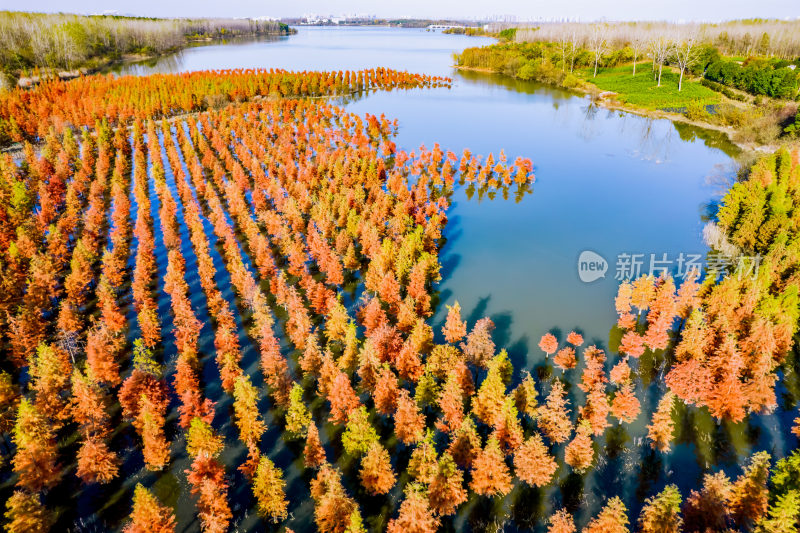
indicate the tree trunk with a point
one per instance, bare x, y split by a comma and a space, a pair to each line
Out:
595, 67
660, 66
680, 80
634, 63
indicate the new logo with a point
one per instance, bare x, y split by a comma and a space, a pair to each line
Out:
591, 266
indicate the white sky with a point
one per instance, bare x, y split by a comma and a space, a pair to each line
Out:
710, 10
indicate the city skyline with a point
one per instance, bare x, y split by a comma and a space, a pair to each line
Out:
674, 10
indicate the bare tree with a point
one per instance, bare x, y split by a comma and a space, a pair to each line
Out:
686, 54
574, 43
638, 43
739, 37
661, 47
563, 44
62, 40
598, 43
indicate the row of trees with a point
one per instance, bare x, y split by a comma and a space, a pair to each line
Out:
744, 38
692, 48
29, 114
64, 41
590, 47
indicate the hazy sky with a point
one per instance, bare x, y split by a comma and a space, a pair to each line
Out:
523, 9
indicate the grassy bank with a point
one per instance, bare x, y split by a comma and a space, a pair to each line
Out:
642, 91
748, 120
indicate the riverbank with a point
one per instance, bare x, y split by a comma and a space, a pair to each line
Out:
29, 81
612, 100
755, 117
36, 46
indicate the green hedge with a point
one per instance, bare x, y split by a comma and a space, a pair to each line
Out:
718, 87
756, 76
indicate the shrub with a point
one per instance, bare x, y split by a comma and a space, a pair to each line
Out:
508, 34
528, 71
734, 116
570, 81
696, 111
718, 87
216, 101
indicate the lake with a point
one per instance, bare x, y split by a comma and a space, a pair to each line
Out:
608, 182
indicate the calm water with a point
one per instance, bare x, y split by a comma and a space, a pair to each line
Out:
606, 181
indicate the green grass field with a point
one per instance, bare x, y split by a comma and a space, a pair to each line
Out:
641, 90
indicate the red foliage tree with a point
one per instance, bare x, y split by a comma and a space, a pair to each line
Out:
565, 358
446, 491
548, 343
26, 514
612, 518
409, 423
465, 444
561, 522
313, 453
620, 373
385, 392
150, 422
96, 461
533, 464
632, 344
148, 515
579, 453
708, 508
659, 432
479, 348
749, 495
575, 338
415, 515
454, 328
625, 406
554, 415
35, 460
376, 473
101, 348
451, 402
207, 477
343, 399
490, 474
334, 509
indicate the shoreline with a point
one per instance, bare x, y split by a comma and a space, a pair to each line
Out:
26, 82
605, 99
106, 63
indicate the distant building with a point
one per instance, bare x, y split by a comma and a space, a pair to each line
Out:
444, 26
